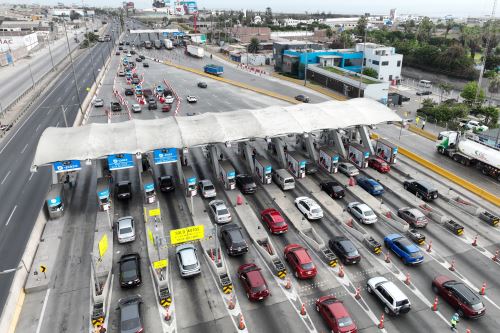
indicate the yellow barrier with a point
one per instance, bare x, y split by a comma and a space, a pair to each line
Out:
449, 175
423, 133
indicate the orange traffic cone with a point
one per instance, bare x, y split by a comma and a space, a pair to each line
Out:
341, 271
387, 258
358, 293
167, 315
495, 257
241, 325
352, 181
452, 267
474, 243
388, 214
381, 323
467, 330
303, 310
435, 305
239, 200
483, 289
230, 305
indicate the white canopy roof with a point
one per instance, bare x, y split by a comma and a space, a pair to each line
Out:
98, 140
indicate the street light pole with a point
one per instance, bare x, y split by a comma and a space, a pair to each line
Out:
73, 69
362, 61
31, 73
50, 52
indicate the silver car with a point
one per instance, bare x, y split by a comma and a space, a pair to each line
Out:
220, 211
125, 229
98, 102
187, 260
413, 216
207, 188
136, 108
362, 212
130, 314
348, 169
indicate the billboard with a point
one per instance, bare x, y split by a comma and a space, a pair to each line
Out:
165, 155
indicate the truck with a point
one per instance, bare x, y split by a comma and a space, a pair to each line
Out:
147, 44
195, 51
213, 69
468, 151
157, 44
168, 44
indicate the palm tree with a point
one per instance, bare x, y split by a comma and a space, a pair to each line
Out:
444, 88
346, 39
450, 24
254, 45
493, 85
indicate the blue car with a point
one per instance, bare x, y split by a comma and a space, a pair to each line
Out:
404, 248
370, 185
159, 90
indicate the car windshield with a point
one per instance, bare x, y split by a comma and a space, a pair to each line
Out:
129, 270
351, 168
477, 306
345, 321
189, 267
287, 181
222, 211
368, 213
338, 188
208, 187
378, 188
421, 218
130, 318
126, 230
280, 223
315, 211
401, 303
307, 266
416, 255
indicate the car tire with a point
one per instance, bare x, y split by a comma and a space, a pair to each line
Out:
296, 274
386, 310
369, 289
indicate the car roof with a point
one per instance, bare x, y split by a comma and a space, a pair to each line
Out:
414, 211
409, 245
301, 254
465, 291
308, 201
255, 278
364, 207
188, 254
219, 204
395, 292
337, 308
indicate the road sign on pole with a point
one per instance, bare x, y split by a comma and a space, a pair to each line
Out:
183, 235
103, 245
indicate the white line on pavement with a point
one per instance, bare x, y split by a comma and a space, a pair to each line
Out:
31, 176
4, 178
40, 321
24, 149
38, 127
10, 216
57, 125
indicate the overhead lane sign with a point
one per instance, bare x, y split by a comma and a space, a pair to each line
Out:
165, 155
69, 165
120, 161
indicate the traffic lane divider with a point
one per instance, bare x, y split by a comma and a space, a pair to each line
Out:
421, 132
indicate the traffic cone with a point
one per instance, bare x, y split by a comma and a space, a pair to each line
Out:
239, 200
303, 310
341, 271
474, 243
349, 223
381, 323
407, 280
429, 247
352, 182
230, 306
387, 257
495, 257
452, 267
167, 315
358, 293
467, 330
435, 305
241, 325
483, 289
388, 214
288, 284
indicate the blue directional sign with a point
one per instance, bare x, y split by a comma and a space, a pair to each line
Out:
103, 194
335, 158
149, 187
269, 168
231, 174
191, 181
54, 202
70, 165
120, 161
165, 155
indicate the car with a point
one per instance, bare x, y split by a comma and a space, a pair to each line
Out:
246, 184
202, 84
302, 98
115, 106
335, 315
207, 188
311, 167
159, 90
121, 73
129, 55
167, 92
405, 249
413, 216
424, 93
130, 270
274, 221
152, 105
345, 249
220, 211
136, 80
124, 190
166, 107
142, 57
127, 43
169, 99
333, 189
421, 188
187, 259
460, 296
191, 99
98, 102
233, 239
300, 261
145, 64
254, 282
348, 169
132, 52
129, 92
394, 300
309, 208
136, 108
166, 183
130, 314
370, 185
125, 229
379, 164
138, 59
362, 212
117, 53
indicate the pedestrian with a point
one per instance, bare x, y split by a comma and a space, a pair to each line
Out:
454, 321
423, 124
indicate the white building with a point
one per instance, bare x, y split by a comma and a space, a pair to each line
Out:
67, 11
12, 40
383, 59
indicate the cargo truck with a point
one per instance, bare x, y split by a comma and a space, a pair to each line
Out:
470, 152
157, 44
213, 69
195, 51
168, 44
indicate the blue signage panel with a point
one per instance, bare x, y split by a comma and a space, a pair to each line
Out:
395, 150
54, 202
191, 181
165, 155
70, 165
120, 161
269, 168
335, 158
302, 163
103, 194
366, 154
149, 187
231, 174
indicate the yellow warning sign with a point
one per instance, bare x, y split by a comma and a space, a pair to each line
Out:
103, 245
160, 264
183, 235
43, 268
150, 235
154, 212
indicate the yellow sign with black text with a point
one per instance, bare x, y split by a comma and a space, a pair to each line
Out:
160, 264
188, 234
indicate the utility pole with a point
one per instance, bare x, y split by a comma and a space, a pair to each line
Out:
73, 69
50, 52
362, 59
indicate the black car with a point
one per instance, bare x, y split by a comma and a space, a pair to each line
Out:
152, 105
202, 84
344, 249
311, 167
302, 98
124, 190
132, 52
421, 188
130, 270
145, 64
136, 80
232, 237
115, 106
166, 183
246, 184
130, 314
127, 43
120, 43
167, 92
129, 92
333, 189
142, 57
424, 93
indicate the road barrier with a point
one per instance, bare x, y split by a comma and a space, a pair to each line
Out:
421, 132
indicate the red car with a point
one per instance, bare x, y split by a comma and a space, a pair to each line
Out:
379, 164
300, 261
166, 108
463, 299
254, 282
274, 221
335, 315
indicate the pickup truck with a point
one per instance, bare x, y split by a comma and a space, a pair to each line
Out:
213, 69
473, 125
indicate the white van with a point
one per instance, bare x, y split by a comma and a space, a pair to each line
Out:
425, 84
284, 179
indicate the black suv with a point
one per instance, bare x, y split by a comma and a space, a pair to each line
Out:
129, 92
130, 270
115, 106
344, 249
246, 184
124, 190
333, 189
421, 188
166, 183
233, 239
152, 105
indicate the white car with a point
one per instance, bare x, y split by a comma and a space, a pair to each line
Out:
169, 99
476, 126
207, 189
362, 212
129, 55
125, 229
192, 99
348, 169
220, 211
98, 102
309, 208
136, 108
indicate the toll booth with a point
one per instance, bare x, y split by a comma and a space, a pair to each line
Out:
328, 159
55, 201
227, 175
296, 164
386, 151
358, 155
103, 194
263, 169
189, 181
148, 186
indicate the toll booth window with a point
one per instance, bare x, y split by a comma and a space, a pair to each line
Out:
104, 200
231, 180
56, 207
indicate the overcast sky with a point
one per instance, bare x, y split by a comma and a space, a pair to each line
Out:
457, 8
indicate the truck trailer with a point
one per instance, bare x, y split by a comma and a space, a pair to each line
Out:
195, 51
168, 44
213, 69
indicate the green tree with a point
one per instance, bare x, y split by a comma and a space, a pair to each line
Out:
361, 26
346, 39
471, 38
424, 30
469, 94
444, 89
329, 33
73, 15
494, 82
408, 26
490, 114
268, 16
450, 24
254, 45
370, 72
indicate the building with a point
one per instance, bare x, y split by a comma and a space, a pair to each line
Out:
245, 34
65, 12
12, 40
383, 59
280, 47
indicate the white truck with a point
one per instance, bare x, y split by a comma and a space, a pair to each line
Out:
195, 51
469, 151
168, 44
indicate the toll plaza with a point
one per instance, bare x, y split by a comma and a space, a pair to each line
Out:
296, 164
148, 187
386, 150
263, 169
189, 181
329, 159
103, 194
359, 155
227, 174
55, 201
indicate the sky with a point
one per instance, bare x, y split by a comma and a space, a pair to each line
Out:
436, 8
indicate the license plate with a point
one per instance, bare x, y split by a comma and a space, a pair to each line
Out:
355, 261
261, 297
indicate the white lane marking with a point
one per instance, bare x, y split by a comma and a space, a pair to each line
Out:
73, 98
10, 216
31, 176
4, 178
38, 127
24, 149
57, 125
40, 321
